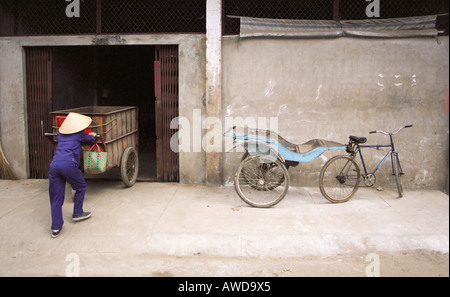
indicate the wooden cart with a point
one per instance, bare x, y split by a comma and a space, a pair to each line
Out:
117, 127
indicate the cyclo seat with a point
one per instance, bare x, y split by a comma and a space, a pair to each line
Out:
358, 140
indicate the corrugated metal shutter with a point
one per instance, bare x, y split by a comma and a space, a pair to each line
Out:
39, 105
166, 108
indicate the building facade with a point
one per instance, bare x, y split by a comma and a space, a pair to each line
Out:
81, 53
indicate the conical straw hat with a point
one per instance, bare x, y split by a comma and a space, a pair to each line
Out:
74, 123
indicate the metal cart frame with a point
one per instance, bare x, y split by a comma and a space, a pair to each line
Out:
117, 127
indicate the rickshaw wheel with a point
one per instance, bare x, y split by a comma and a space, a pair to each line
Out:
129, 166
261, 181
247, 154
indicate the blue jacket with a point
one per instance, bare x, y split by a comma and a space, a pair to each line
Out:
69, 146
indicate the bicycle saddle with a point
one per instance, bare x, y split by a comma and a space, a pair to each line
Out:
358, 140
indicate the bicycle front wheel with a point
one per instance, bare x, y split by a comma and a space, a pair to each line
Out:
261, 181
398, 174
339, 179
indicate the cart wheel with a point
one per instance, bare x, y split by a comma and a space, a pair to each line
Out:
261, 181
129, 166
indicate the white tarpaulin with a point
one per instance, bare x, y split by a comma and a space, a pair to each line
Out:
398, 27
257, 27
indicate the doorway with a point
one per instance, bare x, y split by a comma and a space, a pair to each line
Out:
105, 75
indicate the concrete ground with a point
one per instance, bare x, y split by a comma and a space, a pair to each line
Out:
164, 229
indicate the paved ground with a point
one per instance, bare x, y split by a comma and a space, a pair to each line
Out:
163, 229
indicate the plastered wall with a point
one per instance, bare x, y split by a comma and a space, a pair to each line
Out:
333, 88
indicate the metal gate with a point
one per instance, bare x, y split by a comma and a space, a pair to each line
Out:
166, 109
38, 62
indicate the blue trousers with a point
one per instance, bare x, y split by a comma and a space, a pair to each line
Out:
60, 172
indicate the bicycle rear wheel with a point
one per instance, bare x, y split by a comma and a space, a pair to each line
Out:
398, 174
339, 179
261, 181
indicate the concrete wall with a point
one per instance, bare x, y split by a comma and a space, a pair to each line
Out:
13, 112
317, 88
333, 88
13, 115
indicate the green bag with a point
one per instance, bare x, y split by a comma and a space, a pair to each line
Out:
95, 161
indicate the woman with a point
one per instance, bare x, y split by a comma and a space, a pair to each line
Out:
65, 168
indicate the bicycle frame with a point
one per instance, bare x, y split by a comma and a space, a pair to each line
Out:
391, 152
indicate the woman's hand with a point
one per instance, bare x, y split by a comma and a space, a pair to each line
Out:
93, 134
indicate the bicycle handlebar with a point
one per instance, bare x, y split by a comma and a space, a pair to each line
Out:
392, 133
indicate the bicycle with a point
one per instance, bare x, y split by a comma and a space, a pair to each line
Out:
340, 176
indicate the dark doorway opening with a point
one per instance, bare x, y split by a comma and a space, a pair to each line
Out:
114, 76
